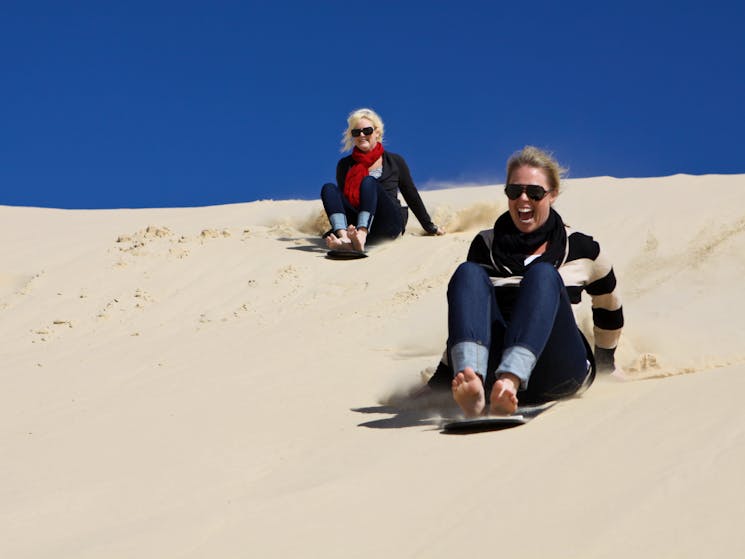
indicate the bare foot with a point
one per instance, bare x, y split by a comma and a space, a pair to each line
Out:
468, 392
503, 398
341, 242
358, 237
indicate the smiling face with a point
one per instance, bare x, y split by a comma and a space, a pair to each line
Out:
362, 142
528, 215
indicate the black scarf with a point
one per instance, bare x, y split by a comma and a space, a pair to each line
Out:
510, 247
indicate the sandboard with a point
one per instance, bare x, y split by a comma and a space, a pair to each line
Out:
495, 422
335, 254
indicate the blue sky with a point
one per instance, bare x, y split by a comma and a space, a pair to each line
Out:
160, 104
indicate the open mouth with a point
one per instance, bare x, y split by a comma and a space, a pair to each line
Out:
525, 214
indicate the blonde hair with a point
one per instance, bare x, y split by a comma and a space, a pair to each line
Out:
354, 117
531, 156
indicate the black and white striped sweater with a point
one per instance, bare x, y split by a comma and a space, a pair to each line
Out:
584, 268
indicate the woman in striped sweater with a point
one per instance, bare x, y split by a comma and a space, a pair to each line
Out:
512, 335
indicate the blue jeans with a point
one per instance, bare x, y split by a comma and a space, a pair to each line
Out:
374, 203
537, 339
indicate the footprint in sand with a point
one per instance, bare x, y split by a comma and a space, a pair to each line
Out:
287, 273
139, 299
54, 329
143, 297
136, 243
415, 290
213, 234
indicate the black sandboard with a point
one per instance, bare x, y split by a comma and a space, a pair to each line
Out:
495, 422
334, 254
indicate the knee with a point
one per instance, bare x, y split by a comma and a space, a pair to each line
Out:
469, 276
543, 274
327, 189
369, 183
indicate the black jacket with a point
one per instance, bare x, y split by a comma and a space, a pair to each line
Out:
396, 177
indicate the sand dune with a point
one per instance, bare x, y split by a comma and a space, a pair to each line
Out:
202, 382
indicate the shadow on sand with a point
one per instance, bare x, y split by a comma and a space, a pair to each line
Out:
400, 418
426, 408
315, 244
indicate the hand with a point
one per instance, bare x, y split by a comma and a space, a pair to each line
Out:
605, 360
439, 231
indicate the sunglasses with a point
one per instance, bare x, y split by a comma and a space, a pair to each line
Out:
534, 191
355, 132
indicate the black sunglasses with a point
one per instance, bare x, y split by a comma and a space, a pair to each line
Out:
535, 192
355, 132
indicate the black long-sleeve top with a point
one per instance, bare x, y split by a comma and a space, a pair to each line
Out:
396, 177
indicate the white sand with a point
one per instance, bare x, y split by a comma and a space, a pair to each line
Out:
212, 387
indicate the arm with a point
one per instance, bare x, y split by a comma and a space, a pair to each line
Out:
342, 168
607, 312
411, 195
480, 252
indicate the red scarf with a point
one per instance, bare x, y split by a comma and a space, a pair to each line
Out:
358, 171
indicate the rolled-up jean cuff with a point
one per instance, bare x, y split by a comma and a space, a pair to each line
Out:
519, 361
338, 221
469, 354
364, 219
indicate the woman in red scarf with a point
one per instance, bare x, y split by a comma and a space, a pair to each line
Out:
365, 204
